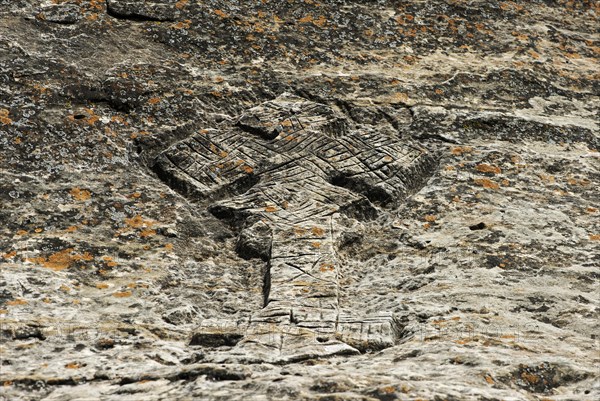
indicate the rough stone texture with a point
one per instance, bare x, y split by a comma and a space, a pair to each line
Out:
298, 170
331, 200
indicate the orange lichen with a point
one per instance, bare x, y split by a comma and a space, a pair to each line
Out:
122, 294
154, 100
430, 218
270, 209
86, 256
489, 184
459, 150
315, 244
306, 19
15, 302
180, 4
118, 119
220, 13
248, 169
60, 260
72, 365
9, 255
546, 178
520, 36
299, 231
286, 123
575, 181
404, 19
40, 88
530, 377
320, 22
506, 6
101, 286
138, 222
486, 168
4, 117
594, 237
139, 133
96, 4
318, 231
327, 267
109, 261
401, 97
410, 59
388, 389
147, 233
258, 27
80, 194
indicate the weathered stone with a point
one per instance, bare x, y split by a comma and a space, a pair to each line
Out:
60, 14
216, 338
295, 150
255, 241
161, 10
137, 260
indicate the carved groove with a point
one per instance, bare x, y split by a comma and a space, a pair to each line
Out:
293, 166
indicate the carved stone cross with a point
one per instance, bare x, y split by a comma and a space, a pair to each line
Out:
285, 173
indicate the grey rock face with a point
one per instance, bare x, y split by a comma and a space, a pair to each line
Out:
164, 10
299, 200
60, 14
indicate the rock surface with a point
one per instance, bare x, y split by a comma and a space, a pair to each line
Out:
331, 200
